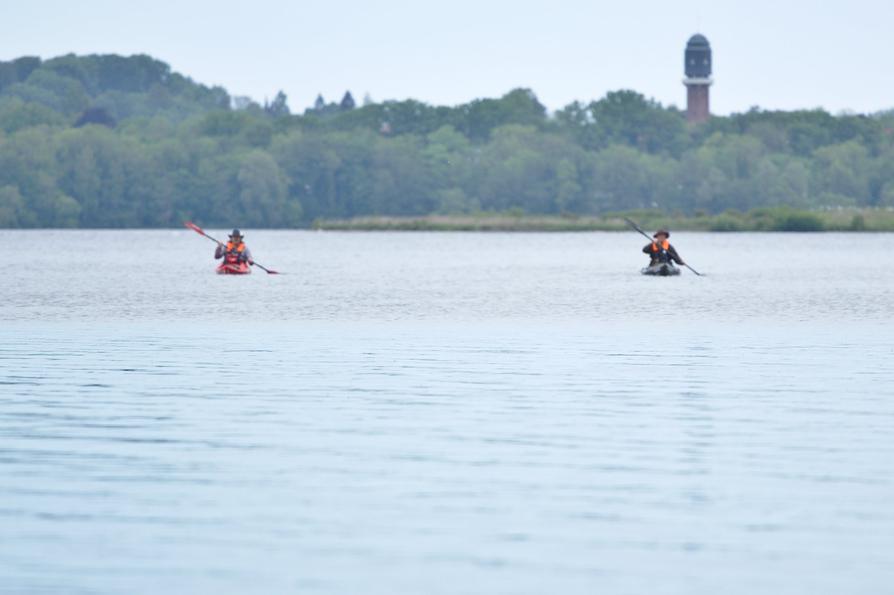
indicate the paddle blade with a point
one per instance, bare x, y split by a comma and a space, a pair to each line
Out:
265, 269
200, 231
194, 227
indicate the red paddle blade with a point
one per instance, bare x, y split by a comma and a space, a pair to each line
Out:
200, 231
265, 269
194, 227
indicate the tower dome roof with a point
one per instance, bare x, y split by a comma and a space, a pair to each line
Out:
698, 40
698, 57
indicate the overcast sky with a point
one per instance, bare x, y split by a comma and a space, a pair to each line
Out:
775, 54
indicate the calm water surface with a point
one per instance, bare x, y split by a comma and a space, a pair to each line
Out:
446, 413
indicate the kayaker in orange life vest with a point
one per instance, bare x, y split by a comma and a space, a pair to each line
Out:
661, 251
234, 252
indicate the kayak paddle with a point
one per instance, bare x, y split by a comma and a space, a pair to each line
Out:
201, 232
693, 270
263, 268
651, 239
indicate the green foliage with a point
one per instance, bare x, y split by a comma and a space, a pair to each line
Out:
18, 70
13, 212
515, 219
727, 222
784, 219
112, 141
628, 118
279, 107
50, 89
480, 117
16, 114
347, 102
126, 86
799, 222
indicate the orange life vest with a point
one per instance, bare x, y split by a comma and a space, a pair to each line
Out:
234, 252
660, 251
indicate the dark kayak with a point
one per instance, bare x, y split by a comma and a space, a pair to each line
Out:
241, 268
661, 270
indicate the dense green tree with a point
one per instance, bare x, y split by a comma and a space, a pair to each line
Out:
519, 168
13, 211
347, 102
279, 107
95, 115
478, 118
62, 94
16, 114
18, 70
625, 117
263, 192
180, 150
841, 174
625, 179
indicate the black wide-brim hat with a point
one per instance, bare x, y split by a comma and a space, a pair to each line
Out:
664, 232
236, 234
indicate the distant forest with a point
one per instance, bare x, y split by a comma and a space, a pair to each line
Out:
111, 141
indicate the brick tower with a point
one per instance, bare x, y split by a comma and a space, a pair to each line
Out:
698, 79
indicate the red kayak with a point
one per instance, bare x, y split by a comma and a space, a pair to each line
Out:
240, 268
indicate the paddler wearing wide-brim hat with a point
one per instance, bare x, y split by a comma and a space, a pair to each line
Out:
661, 251
234, 251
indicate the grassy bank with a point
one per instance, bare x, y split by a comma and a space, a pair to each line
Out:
776, 219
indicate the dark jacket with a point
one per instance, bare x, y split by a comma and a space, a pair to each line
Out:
670, 255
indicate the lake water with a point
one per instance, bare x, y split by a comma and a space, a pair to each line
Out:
446, 413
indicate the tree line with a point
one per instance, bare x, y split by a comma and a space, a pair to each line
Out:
111, 141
